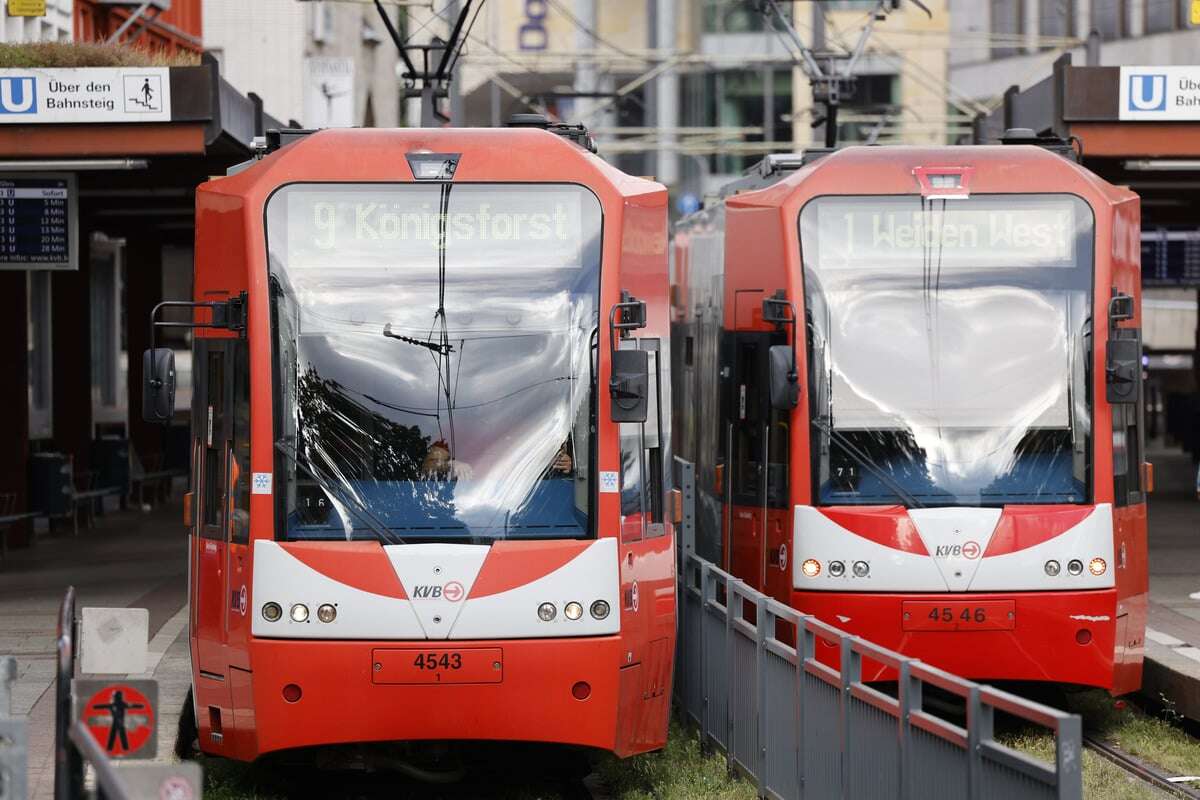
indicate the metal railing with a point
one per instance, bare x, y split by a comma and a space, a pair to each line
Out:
749, 677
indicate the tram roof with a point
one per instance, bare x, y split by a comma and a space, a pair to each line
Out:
889, 169
518, 155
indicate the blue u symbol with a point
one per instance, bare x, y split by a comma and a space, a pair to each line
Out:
18, 96
1147, 92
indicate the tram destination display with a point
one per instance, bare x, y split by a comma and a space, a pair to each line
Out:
38, 222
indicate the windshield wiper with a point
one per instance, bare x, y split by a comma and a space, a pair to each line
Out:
866, 463
356, 505
443, 349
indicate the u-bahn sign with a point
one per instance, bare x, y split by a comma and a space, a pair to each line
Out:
93, 94
121, 715
1157, 94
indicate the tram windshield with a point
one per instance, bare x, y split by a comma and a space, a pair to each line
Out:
435, 349
949, 348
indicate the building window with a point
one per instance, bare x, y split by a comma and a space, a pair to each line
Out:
733, 99
721, 16
110, 364
40, 355
1006, 21
1161, 16
1055, 18
867, 111
1108, 18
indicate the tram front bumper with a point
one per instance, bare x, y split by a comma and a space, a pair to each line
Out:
1073, 637
354, 692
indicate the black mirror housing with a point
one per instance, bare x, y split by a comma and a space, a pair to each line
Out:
630, 385
784, 383
1123, 371
1120, 308
158, 384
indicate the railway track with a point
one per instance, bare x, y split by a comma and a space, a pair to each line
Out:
1139, 769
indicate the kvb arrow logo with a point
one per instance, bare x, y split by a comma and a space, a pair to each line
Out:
453, 591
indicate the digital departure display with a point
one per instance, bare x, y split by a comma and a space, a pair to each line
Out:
37, 222
898, 232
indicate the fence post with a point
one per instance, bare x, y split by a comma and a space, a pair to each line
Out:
1068, 758
732, 600
68, 764
705, 720
979, 728
849, 672
909, 699
805, 649
764, 620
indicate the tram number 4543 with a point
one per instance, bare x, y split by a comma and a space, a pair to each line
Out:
436, 661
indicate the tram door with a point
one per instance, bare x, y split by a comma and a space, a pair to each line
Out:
220, 599
759, 518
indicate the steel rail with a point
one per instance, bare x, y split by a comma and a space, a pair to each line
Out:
1138, 768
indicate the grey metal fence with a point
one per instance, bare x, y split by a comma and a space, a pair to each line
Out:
749, 677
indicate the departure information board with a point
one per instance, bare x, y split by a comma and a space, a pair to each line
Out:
1171, 256
38, 222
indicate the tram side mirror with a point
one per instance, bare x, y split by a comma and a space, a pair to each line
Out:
630, 385
158, 384
1123, 370
784, 382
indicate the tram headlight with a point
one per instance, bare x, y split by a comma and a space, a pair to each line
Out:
837, 569
1075, 566
546, 611
272, 612
861, 569
1053, 568
1097, 566
327, 613
599, 609
299, 613
811, 567
573, 611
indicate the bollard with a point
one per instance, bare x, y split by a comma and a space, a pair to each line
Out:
14, 744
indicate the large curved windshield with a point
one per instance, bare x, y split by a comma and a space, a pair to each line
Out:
435, 356
949, 343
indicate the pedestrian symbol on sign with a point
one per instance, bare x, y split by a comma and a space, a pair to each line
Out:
120, 718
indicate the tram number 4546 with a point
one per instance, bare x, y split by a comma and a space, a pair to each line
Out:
436, 661
947, 614
927, 615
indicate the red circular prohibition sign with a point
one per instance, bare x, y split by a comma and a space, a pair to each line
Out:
120, 718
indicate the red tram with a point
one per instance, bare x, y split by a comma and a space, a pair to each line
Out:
926, 365
430, 431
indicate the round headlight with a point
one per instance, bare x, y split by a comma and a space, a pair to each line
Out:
861, 569
546, 611
299, 613
599, 609
573, 610
811, 567
1053, 568
1075, 566
327, 613
837, 569
272, 612
1097, 566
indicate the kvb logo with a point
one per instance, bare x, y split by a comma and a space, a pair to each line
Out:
18, 95
967, 549
1148, 92
452, 591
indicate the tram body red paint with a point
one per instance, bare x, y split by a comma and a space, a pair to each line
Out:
882, 317
281, 596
